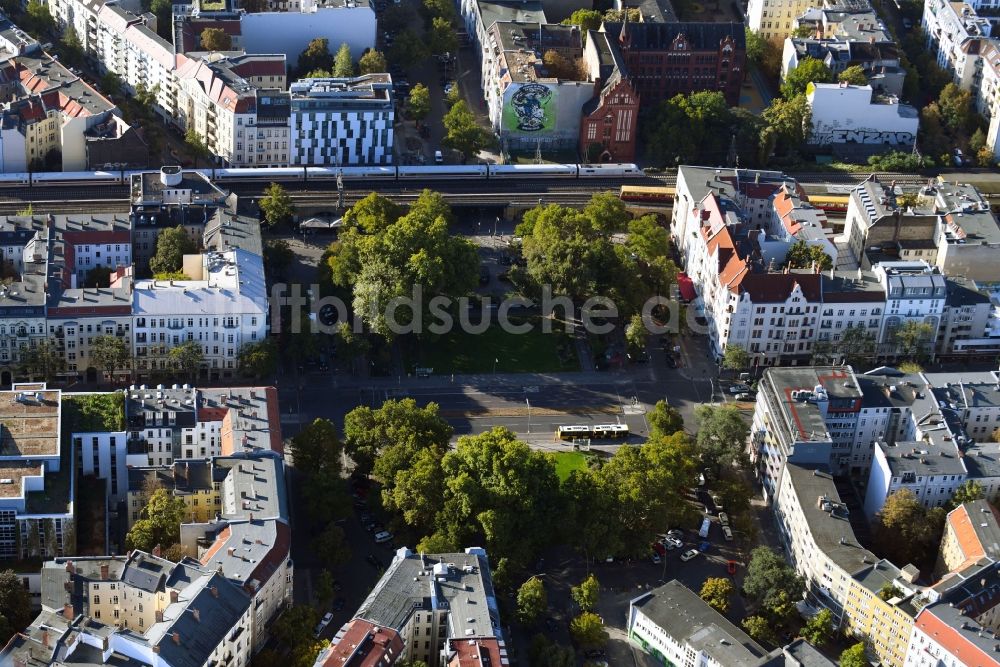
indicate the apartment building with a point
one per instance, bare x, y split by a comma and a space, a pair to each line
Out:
914, 292
775, 20
36, 491
870, 598
137, 610
971, 533
677, 627
479, 16
806, 415
52, 119
946, 224
956, 35
342, 121
421, 604
930, 469
844, 36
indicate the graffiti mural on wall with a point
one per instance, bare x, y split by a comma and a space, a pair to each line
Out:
531, 108
876, 137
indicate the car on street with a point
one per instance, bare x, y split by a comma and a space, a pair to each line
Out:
907, 23
704, 546
723, 518
731, 567
717, 501
727, 533
448, 87
673, 543
656, 558
383, 536
438, 157
744, 397
321, 626
739, 389
676, 533
659, 548
689, 554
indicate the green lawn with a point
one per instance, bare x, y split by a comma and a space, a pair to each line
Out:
532, 352
567, 462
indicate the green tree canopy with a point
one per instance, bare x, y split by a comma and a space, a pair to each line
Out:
111, 353
722, 435
690, 128
419, 102
809, 70
854, 75
759, 628
788, 123
819, 629
72, 49
343, 64
967, 492
160, 522
171, 246
316, 56
802, 255
770, 581
15, 605
42, 360
187, 358
588, 631
907, 532
664, 419
735, 358
500, 492
532, 601
463, 132
854, 656
585, 595
276, 205
111, 84
587, 19
441, 39
372, 62
195, 143
408, 48
384, 257
546, 653
258, 360
717, 591
216, 39
391, 434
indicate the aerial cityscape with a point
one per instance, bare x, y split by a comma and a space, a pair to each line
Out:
499, 333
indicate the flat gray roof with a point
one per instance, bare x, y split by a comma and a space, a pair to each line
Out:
687, 618
803, 418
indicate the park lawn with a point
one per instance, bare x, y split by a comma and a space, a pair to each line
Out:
532, 352
567, 462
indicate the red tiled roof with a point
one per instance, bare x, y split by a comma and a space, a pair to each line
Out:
220, 541
475, 652
212, 414
359, 635
105, 237
777, 287
951, 640
258, 67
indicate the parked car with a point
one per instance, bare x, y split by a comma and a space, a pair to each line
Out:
674, 543
384, 536
438, 157
676, 533
723, 518
656, 558
739, 389
731, 567
659, 548
689, 554
908, 24
717, 501
321, 626
744, 397
727, 533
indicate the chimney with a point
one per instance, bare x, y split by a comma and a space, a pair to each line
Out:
156, 551
176, 636
230, 551
45, 637
215, 591
105, 572
173, 596
159, 615
70, 568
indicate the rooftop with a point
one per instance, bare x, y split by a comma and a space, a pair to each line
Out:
462, 580
689, 620
910, 459
29, 423
251, 418
497, 11
827, 518
976, 526
524, 46
234, 285
800, 391
148, 187
254, 487
360, 643
701, 36
249, 552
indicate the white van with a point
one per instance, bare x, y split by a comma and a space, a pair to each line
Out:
384, 536
438, 157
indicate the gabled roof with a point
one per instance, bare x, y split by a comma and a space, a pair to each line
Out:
660, 36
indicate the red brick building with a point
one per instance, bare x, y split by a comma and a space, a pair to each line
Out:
647, 63
666, 59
